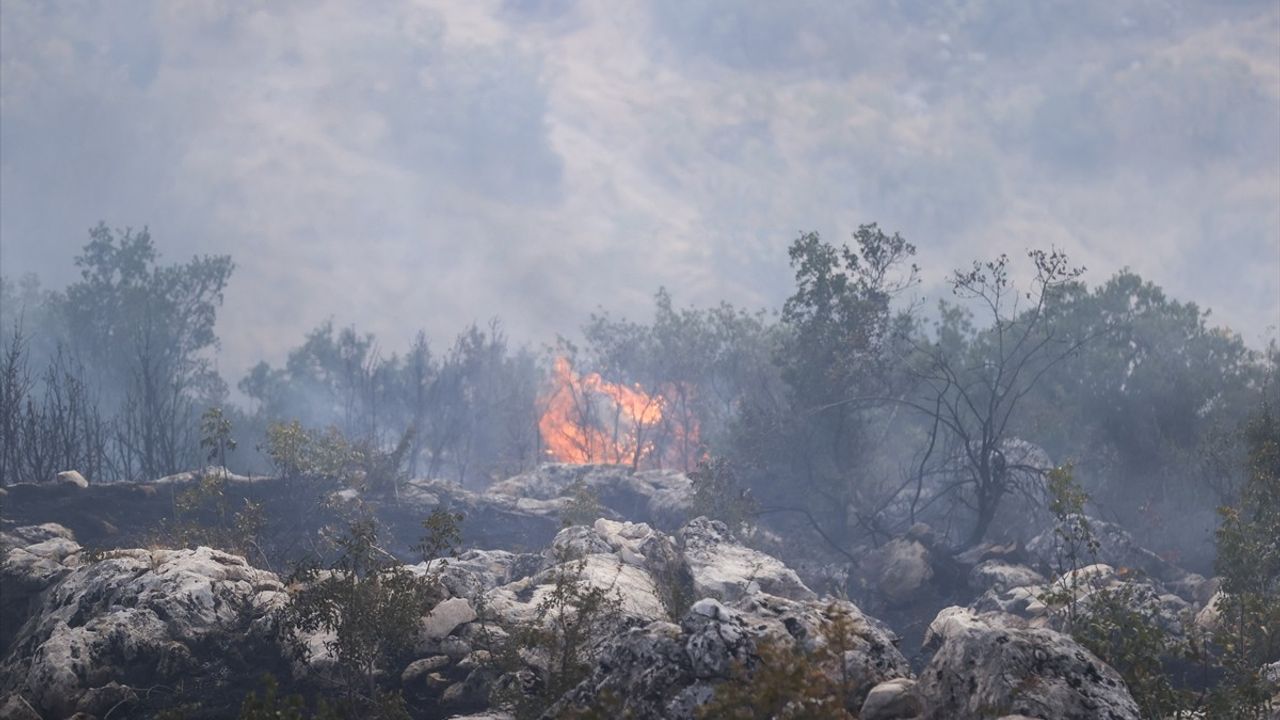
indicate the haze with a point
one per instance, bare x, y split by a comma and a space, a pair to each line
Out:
431, 164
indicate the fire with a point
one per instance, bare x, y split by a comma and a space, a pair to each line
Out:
590, 420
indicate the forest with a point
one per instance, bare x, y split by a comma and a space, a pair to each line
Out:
875, 438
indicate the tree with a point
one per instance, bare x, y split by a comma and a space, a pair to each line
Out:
1150, 409
1249, 563
834, 354
148, 328
970, 385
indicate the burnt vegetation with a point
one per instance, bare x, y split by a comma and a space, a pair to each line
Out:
849, 418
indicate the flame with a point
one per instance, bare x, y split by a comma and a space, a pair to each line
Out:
590, 420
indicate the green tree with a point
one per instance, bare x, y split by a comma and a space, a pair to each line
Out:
1249, 563
834, 353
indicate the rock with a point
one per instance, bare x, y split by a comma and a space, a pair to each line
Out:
891, 700
1116, 547
1209, 619
987, 661
663, 670
516, 603
102, 700
476, 571
724, 569
419, 669
72, 478
1001, 576
16, 707
1023, 602
446, 616
899, 569
138, 619
658, 497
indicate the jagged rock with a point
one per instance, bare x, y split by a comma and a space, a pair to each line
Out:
37, 557
986, 664
139, 619
476, 571
659, 497
722, 568
72, 478
891, 700
16, 707
1209, 619
1001, 576
446, 616
663, 670
1116, 547
516, 603
101, 700
1024, 602
899, 569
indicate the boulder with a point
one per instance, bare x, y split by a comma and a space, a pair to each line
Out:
891, 700
658, 497
138, 619
662, 670
1116, 547
724, 569
1000, 576
517, 603
446, 616
72, 478
989, 665
899, 569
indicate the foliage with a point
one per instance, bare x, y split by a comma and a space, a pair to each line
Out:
271, 706
784, 682
1249, 563
470, 412
442, 535
1116, 623
809, 445
369, 602
554, 646
720, 495
584, 506
301, 454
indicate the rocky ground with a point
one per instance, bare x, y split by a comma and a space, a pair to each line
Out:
98, 622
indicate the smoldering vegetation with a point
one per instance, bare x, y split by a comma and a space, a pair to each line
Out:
833, 508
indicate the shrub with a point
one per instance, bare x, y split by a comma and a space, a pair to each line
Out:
719, 495
1249, 563
787, 683
372, 604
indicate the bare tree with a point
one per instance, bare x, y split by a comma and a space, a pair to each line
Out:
970, 387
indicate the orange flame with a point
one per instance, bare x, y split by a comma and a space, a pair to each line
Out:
590, 420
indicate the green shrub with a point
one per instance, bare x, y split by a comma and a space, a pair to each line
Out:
371, 603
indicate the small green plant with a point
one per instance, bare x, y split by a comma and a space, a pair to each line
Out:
271, 706
301, 454
557, 642
442, 536
371, 604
